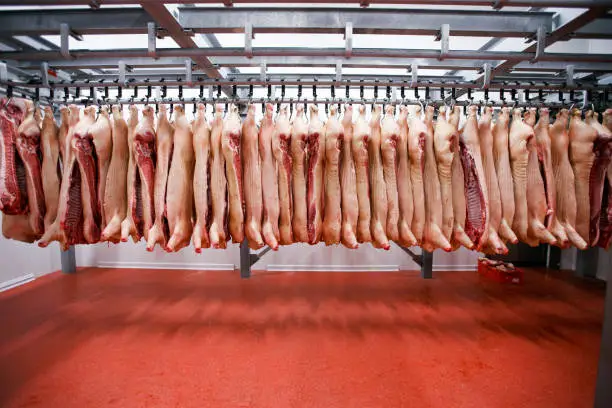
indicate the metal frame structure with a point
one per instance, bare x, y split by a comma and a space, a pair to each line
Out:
58, 73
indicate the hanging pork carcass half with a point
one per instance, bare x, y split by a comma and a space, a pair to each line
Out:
359, 147
519, 138
544, 149
218, 183
389, 131
269, 180
28, 152
201, 179
179, 192
404, 184
433, 237
51, 169
164, 144
299, 166
476, 193
537, 204
281, 148
230, 145
444, 141
602, 149
605, 223
13, 195
417, 133
101, 134
583, 139
252, 180
332, 219
492, 243
563, 175
379, 200
314, 179
348, 183
114, 200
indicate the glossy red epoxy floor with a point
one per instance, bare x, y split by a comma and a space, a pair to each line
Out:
155, 338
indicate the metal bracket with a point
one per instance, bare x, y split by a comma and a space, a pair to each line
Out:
3, 72
540, 43
188, 72
44, 74
348, 40
498, 4
486, 68
425, 261
414, 69
263, 68
443, 37
122, 71
248, 39
152, 39
65, 40
338, 71
569, 76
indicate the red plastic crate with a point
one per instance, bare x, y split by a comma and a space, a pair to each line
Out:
499, 271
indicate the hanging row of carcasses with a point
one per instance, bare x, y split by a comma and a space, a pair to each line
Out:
401, 177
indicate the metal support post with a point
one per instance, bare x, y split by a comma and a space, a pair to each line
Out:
151, 39
553, 257
603, 390
586, 263
426, 265
65, 40
68, 260
245, 259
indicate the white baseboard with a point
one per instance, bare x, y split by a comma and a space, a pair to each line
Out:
13, 283
452, 267
168, 265
333, 268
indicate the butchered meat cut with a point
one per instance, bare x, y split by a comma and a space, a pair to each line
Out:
128, 225
314, 181
179, 194
359, 147
445, 136
348, 183
459, 237
230, 146
389, 146
164, 143
269, 181
564, 178
299, 165
51, 170
252, 180
281, 145
332, 218
114, 200
201, 177
379, 191
432, 234
218, 183
417, 132
103, 144
476, 193
404, 184
519, 138
13, 195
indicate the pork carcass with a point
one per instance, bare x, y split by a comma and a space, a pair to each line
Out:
348, 183
164, 144
230, 145
404, 185
269, 180
252, 180
605, 224
432, 234
103, 144
51, 171
63, 133
444, 141
332, 217
582, 156
114, 200
179, 207
492, 242
503, 170
218, 183
299, 145
379, 201
13, 195
29, 153
314, 181
602, 148
520, 136
476, 193
389, 130
564, 178
459, 236
201, 176
359, 148
281, 146
543, 146
141, 186
417, 133
67, 227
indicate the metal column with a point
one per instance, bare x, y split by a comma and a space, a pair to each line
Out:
603, 390
426, 265
245, 259
68, 260
586, 263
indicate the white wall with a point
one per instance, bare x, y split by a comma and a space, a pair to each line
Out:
21, 262
604, 262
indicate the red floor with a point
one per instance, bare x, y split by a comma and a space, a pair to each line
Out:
140, 338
